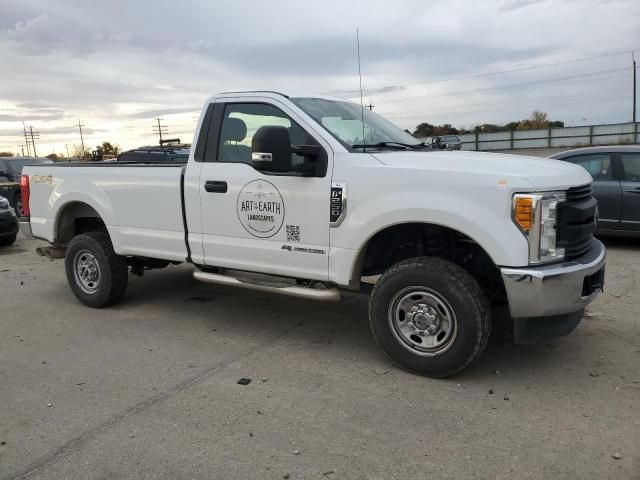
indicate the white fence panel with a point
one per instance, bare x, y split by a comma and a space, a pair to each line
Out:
613, 134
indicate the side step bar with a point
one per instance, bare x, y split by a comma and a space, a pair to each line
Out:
327, 294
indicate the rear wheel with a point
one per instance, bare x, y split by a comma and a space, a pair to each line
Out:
430, 316
96, 274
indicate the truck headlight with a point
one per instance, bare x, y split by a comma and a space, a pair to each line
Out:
536, 215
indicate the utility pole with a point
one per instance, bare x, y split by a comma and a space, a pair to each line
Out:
22, 149
634, 86
370, 106
33, 136
160, 129
80, 125
66, 146
26, 141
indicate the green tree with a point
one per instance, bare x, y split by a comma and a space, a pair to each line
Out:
423, 130
6, 154
109, 149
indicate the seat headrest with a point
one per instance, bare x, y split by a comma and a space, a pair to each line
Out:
233, 129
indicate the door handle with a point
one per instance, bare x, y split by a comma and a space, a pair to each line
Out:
214, 186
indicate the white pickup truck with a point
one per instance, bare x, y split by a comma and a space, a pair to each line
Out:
305, 196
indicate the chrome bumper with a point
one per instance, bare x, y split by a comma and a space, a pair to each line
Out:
25, 227
556, 289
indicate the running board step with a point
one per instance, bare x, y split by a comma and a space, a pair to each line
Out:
258, 282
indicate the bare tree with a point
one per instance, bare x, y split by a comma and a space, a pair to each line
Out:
537, 121
76, 151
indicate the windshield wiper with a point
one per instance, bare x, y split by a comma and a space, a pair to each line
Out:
416, 146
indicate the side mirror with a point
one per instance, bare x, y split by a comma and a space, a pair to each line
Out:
271, 149
310, 155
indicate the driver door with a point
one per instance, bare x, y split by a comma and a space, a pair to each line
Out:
256, 219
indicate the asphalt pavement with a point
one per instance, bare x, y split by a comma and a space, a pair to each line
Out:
149, 388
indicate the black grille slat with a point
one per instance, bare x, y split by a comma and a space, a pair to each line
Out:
577, 194
576, 221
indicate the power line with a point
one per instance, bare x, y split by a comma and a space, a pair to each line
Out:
521, 69
80, 125
26, 140
513, 85
633, 59
511, 106
519, 101
160, 129
33, 136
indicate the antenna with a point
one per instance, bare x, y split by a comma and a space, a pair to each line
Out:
360, 75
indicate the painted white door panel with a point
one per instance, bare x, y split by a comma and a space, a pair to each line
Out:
252, 225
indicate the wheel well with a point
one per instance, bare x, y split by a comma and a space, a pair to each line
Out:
409, 240
76, 218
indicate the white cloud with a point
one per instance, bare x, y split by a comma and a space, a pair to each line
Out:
118, 64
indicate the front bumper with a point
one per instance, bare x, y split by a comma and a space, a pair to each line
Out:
559, 289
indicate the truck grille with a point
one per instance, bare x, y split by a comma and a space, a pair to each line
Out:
576, 221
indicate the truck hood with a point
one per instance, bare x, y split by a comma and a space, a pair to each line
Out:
543, 173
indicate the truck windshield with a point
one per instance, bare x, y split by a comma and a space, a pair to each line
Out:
343, 120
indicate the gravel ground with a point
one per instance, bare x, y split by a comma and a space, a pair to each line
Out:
148, 389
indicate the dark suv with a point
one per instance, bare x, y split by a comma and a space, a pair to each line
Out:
157, 154
8, 223
10, 171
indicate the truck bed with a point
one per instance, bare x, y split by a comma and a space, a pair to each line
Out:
141, 204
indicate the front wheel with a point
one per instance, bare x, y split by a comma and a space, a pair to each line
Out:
96, 274
430, 316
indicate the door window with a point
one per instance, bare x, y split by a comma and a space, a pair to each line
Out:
241, 121
597, 164
630, 167
3, 169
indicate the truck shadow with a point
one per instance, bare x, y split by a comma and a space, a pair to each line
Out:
333, 330
621, 243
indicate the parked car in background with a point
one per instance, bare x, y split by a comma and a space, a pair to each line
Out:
10, 171
8, 223
616, 185
157, 154
444, 142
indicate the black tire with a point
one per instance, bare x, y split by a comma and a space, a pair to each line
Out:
91, 252
6, 241
441, 296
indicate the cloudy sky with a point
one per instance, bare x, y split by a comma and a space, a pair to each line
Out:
118, 64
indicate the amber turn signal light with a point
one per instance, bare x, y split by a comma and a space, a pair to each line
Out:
524, 212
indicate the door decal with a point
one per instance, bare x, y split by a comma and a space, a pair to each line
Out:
260, 208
